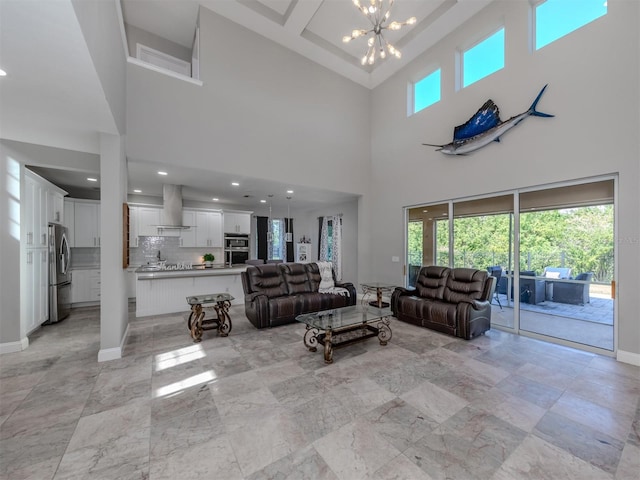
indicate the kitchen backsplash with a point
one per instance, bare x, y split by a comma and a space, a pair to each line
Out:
169, 247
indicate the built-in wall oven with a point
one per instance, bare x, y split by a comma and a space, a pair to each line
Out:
236, 249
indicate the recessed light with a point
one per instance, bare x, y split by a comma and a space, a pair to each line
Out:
289, 191
137, 191
162, 173
3, 73
91, 179
263, 201
215, 199
235, 184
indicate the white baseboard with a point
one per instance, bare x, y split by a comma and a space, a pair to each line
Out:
13, 347
628, 357
107, 354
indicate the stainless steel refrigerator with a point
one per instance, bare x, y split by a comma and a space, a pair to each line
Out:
59, 273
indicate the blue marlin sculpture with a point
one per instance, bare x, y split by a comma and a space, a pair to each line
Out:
485, 127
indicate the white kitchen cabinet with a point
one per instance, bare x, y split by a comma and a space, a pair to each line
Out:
188, 236
85, 285
133, 226
131, 282
55, 206
208, 229
35, 204
86, 224
36, 286
148, 221
237, 222
69, 220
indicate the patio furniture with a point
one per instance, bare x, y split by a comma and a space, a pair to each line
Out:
573, 293
496, 271
556, 272
532, 290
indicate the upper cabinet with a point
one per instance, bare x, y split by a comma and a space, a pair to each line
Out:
55, 206
86, 224
69, 220
148, 221
188, 236
237, 222
43, 205
208, 229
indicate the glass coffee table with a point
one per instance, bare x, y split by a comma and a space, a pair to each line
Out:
344, 326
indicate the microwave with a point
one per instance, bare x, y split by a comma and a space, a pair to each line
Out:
236, 242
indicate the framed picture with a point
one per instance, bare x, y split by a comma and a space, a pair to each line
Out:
303, 252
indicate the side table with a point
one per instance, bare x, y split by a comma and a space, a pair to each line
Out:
197, 322
379, 288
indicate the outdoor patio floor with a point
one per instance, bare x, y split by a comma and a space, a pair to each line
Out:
588, 324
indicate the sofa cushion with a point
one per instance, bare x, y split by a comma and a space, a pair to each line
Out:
431, 282
266, 279
282, 309
313, 272
441, 313
465, 285
295, 278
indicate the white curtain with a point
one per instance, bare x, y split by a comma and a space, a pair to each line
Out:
324, 240
333, 254
337, 246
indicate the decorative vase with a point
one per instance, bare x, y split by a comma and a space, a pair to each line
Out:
208, 264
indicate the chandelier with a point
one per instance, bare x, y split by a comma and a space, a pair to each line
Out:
377, 14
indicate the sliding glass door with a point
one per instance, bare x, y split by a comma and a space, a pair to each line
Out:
567, 263
556, 282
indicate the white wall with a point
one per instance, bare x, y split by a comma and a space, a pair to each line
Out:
100, 26
10, 218
263, 111
593, 91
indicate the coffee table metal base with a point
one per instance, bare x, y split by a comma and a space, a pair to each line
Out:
331, 339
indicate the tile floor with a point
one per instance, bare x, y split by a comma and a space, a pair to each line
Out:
257, 405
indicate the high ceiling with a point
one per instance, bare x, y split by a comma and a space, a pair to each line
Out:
313, 28
52, 95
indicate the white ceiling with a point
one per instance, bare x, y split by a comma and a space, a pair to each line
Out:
52, 94
313, 28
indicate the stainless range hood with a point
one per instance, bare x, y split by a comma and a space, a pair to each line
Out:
172, 208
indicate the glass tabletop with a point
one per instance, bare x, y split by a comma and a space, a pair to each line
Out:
209, 298
343, 317
378, 285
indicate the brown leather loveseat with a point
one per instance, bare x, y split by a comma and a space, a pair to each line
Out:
276, 294
450, 300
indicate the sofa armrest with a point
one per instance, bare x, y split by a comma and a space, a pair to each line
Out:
397, 293
476, 304
353, 293
256, 308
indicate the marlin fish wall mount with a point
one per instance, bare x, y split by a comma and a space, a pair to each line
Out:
485, 127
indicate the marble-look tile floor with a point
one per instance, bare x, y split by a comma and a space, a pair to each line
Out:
257, 405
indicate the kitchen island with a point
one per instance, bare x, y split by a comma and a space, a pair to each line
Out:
165, 291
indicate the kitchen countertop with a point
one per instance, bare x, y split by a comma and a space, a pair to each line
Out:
143, 273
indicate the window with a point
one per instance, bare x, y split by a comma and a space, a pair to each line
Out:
426, 91
277, 246
556, 18
483, 59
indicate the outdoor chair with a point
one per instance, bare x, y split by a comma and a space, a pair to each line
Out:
573, 293
496, 271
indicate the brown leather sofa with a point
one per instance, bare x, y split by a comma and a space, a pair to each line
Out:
274, 294
450, 300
